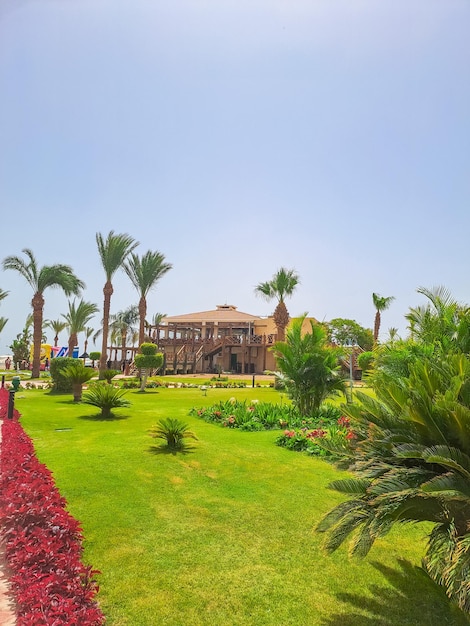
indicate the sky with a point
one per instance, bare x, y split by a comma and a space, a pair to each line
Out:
236, 137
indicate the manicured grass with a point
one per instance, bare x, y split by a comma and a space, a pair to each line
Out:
223, 535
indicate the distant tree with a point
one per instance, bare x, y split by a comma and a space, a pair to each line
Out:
20, 346
40, 279
113, 252
346, 332
89, 332
76, 319
144, 273
156, 320
3, 320
122, 326
57, 326
381, 304
281, 286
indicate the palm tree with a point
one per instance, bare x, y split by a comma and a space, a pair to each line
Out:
40, 279
113, 252
3, 323
155, 322
309, 366
3, 294
57, 326
144, 273
76, 320
411, 464
121, 324
89, 332
381, 304
282, 285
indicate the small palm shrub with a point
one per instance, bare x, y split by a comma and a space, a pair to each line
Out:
173, 432
106, 398
77, 374
108, 375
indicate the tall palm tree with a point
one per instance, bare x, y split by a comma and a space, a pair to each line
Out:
40, 279
281, 285
76, 320
113, 251
381, 304
122, 324
144, 273
89, 332
57, 326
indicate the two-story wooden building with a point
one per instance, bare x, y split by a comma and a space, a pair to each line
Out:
221, 340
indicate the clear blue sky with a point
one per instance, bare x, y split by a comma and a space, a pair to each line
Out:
236, 137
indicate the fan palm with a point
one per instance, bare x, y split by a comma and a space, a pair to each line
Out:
76, 320
281, 286
381, 304
412, 464
113, 252
40, 279
144, 273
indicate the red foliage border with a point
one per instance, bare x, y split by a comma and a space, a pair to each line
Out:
43, 542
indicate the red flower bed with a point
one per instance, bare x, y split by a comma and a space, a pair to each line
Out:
43, 541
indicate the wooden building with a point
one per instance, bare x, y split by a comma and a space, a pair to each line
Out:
221, 340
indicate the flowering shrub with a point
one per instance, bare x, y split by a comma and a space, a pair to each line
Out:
42, 540
246, 416
319, 441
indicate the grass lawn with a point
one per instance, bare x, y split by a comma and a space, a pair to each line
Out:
223, 535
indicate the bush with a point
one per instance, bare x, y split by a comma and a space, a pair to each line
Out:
105, 397
174, 432
57, 366
365, 360
77, 374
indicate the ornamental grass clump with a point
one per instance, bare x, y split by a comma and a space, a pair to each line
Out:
106, 397
173, 432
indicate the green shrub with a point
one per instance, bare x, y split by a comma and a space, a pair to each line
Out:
106, 398
77, 374
57, 366
174, 432
365, 360
108, 375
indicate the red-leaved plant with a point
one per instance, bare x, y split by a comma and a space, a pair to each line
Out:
43, 542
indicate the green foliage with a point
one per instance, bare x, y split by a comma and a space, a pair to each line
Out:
20, 346
105, 397
365, 360
346, 332
413, 464
308, 366
174, 432
109, 374
147, 361
148, 348
95, 356
57, 367
77, 374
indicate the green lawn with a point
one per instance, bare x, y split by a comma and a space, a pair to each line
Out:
223, 535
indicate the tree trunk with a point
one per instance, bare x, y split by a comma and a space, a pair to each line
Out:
38, 307
142, 316
77, 392
73, 340
376, 326
281, 319
107, 292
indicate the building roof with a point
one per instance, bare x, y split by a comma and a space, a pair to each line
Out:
224, 313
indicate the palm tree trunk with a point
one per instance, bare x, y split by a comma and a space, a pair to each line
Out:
73, 339
108, 292
38, 307
376, 326
142, 316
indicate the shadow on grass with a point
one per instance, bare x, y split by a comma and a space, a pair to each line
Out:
97, 417
410, 592
164, 449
